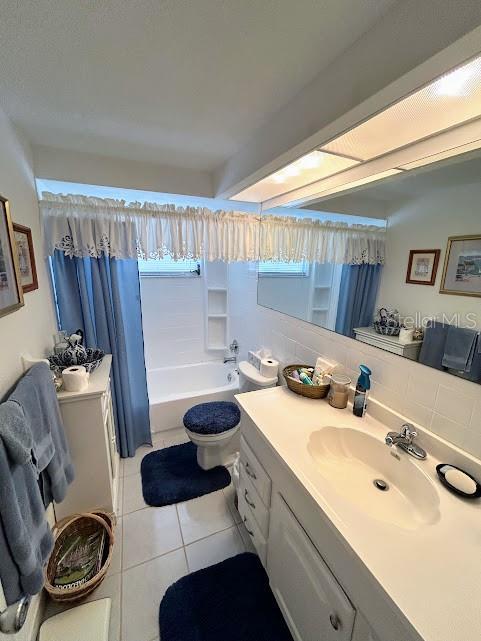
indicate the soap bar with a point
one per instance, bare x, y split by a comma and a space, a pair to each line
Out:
458, 481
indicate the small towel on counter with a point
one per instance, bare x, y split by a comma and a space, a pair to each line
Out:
460, 348
432, 349
35, 394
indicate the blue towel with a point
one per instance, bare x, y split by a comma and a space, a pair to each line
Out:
15, 433
460, 349
35, 394
432, 349
27, 537
32, 394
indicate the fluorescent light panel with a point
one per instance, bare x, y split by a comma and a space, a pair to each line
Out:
307, 169
353, 184
447, 102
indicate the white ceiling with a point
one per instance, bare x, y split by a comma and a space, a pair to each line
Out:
177, 82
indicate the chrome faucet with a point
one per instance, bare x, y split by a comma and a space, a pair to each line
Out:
405, 440
234, 349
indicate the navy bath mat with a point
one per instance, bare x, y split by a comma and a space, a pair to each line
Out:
230, 601
172, 475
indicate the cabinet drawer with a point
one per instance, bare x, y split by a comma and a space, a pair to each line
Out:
256, 473
253, 500
252, 528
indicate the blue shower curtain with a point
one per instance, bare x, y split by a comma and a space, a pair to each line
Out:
101, 296
357, 297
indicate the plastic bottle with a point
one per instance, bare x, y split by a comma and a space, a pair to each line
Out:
362, 390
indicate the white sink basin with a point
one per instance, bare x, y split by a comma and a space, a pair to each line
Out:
351, 460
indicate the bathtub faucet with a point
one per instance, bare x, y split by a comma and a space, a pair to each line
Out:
230, 359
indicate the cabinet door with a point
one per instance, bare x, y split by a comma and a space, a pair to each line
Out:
313, 603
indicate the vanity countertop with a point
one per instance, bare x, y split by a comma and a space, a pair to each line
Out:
432, 570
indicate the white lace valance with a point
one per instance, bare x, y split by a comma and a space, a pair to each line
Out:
87, 226
287, 239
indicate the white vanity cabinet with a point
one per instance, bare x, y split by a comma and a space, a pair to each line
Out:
312, 601
254, 498
90, 430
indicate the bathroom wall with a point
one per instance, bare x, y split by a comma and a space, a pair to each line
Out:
29, 329
174, 321
448, 406
173, 315
426, 223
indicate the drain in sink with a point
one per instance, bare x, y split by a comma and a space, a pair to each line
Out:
381, 485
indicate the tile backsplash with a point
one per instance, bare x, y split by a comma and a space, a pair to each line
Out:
448, 406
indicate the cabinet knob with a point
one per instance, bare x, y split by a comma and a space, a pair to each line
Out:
335, 621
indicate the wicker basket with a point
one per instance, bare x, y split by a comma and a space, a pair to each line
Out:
310, 391
85, 523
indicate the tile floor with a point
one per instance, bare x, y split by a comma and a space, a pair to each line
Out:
156, 546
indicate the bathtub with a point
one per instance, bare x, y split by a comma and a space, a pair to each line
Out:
173, 390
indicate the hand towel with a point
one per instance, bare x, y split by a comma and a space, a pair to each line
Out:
432, 349
32, 394
15, 432
27, 535
460, 348
36, 395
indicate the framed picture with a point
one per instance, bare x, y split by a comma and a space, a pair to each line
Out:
11, 294
462, 266
423, 266
26, 257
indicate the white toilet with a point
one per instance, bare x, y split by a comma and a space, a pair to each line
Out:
214, 427
250, 378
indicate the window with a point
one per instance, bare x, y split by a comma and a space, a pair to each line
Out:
277, 268
167, 266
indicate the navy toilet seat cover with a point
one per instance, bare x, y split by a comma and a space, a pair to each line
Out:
212, 418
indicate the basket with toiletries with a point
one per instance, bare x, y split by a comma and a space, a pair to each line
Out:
307, 380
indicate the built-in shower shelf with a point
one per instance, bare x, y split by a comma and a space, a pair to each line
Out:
320, 309
216, 309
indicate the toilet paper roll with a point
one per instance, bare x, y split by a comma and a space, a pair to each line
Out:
406, 335
269, 367
75, 378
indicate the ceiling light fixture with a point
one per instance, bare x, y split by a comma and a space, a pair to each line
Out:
457, 82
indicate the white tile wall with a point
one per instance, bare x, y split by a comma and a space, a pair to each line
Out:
440, 402
173, 321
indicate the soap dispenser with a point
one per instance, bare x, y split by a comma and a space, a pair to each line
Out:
362, 390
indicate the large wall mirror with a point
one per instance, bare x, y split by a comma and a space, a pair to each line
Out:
421, 299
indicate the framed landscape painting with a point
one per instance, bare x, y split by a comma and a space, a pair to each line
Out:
462, 266
11, 294
26, 258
